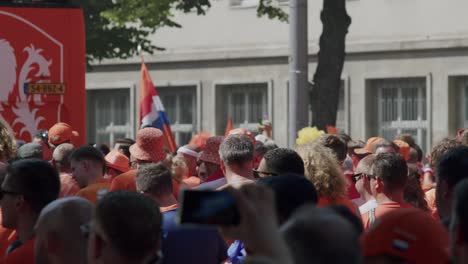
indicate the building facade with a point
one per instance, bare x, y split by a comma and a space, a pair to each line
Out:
406, 71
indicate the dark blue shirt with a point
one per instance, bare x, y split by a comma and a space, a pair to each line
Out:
190, 245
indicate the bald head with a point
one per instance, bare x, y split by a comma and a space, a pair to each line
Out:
59, 236
61, 156
319, 235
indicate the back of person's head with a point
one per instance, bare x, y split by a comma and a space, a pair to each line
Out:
36, 180
413, 193
155, 179
321, 167
90, 154
408, 138
440, 149
319, 235
291, 192
61, 156
336, 144
61, 222
453, 166
128, 224
452, 169
283, 160
236, 149
391, 168
459, 220
464, 137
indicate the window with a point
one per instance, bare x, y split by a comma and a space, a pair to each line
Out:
108, 115
181, 110
402, 108
462, 83
245, 103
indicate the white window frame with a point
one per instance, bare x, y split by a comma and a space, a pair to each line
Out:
219, 88
252, 3
252, 126
420, 124
129, 128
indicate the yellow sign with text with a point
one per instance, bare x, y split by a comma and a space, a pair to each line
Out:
44, 88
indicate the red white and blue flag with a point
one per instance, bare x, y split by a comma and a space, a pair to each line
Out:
152, 111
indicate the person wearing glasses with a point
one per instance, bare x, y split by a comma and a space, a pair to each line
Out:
59, 237
29, 186
279, 161
387, 184
359, 179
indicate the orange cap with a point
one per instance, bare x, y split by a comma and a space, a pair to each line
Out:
404, 148
410, 234
118, 161
242, 131
370, 145
60, 133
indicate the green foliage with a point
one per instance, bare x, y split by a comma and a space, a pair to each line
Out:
114, 28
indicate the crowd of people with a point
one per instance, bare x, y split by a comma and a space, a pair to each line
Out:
330, 200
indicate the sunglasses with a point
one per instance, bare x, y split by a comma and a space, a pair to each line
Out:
356, 177
257, 173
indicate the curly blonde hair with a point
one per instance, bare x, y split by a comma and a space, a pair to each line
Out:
7, 143
323, 170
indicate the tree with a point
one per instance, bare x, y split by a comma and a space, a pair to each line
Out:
327, 77
114, 28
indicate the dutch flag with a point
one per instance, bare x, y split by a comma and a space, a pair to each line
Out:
152, 111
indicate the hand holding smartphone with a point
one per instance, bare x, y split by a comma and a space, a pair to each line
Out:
206, 207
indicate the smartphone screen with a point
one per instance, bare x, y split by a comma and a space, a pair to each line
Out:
203, 207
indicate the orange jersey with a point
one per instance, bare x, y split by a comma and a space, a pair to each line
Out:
383, 209
91, 191
22, 255
68, 186
125, 181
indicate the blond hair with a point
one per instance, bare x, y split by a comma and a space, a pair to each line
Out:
7, 143
179, 168
321, 167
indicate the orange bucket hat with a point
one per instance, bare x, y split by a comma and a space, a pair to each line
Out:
117, 161
149, 145
211, 152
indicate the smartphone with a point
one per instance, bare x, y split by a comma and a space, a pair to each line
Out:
206, 207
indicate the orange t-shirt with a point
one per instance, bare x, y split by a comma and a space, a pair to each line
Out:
21, 255
431, 203
125, 181
324, 201
68, 186
91, 191
383, 209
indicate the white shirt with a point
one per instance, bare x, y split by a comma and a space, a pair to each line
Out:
369, 205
